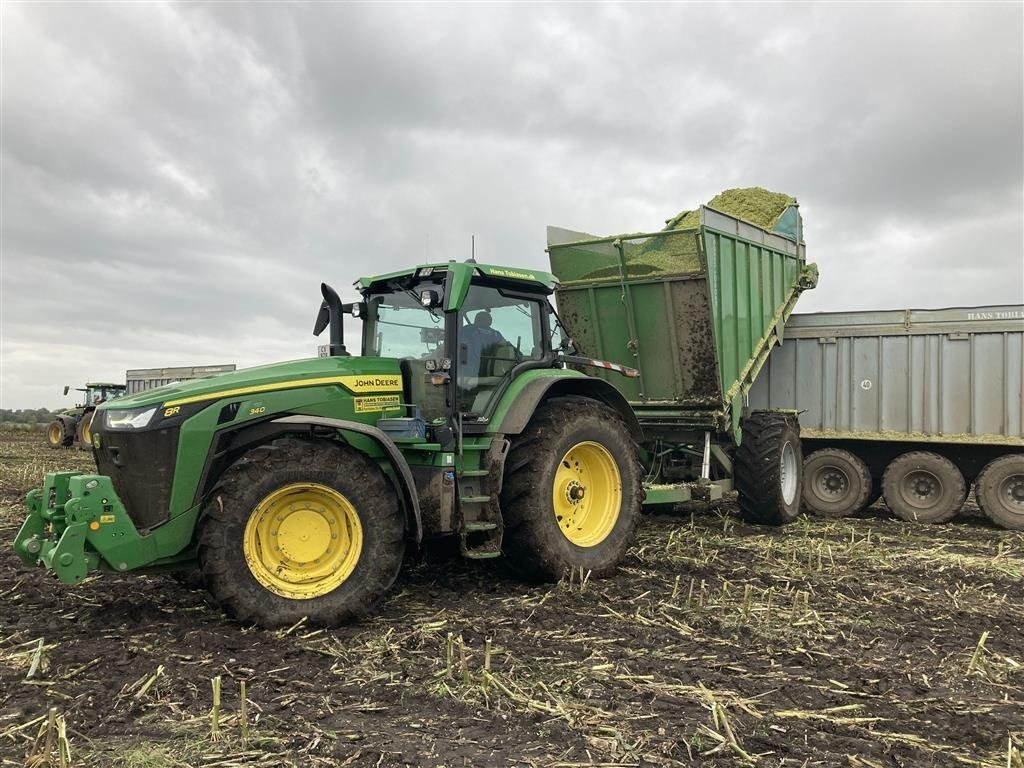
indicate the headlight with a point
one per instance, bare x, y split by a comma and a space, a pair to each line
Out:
129, 418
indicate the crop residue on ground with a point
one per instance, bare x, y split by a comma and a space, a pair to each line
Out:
864, 643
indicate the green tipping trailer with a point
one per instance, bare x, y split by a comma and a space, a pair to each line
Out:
694, 309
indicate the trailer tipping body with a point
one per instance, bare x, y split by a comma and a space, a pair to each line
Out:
141, 379
913, 375
916, 405
696, 311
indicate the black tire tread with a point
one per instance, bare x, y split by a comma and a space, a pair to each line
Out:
863, 475
79, 437
221, 572
893, 502
985, 493
531, 548
63, 442
757, 469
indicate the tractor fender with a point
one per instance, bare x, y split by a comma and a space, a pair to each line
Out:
234, 441
536, 391
403, 475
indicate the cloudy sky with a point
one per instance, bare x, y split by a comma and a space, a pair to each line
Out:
177, 179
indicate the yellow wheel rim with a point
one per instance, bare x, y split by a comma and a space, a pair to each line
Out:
54, 434
86, 430
587, 494
303, 540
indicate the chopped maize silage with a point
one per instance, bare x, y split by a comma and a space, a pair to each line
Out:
674, 253
753, 204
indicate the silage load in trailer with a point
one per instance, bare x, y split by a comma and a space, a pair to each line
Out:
695, 307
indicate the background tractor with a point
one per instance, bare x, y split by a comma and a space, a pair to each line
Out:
298, 488
71, 426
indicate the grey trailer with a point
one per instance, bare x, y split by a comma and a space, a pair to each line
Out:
141, 379
914, 405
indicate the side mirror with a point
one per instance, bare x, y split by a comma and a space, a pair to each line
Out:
67, 388
430, 299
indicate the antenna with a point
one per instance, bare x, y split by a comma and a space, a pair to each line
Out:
472, 250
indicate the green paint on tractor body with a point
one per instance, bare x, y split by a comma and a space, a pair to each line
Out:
462, 365
159, 452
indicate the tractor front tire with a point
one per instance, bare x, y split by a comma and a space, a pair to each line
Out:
923, 487
999, 490
301, 529
836, 483
572, 491
769, 469
56, 436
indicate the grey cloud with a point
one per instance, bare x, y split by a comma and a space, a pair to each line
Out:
179, 178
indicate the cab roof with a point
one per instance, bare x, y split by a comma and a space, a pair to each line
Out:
464, 271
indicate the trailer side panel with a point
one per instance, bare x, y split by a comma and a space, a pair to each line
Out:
947, 376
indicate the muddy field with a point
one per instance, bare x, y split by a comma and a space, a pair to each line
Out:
864, 642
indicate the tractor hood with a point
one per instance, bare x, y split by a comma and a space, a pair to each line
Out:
354, 373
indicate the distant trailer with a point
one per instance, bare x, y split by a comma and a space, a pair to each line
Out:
914, 405
141, 379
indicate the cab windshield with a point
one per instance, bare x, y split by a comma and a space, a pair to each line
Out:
398, 325
97, 395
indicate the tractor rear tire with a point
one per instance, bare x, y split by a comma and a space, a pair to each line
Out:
836, 483
572, 491
56, 436
83, 435
282, 508
999, 490
923, 487
769, 469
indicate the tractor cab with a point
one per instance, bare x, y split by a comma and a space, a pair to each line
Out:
462, 332
96, 393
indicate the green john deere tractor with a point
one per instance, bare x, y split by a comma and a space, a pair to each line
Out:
298, 487
71, 426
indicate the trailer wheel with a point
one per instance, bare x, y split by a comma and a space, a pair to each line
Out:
923, 487
55, 436
769, 469
999, 490
85, 431
837, 483
301, 529
572, 491
875, 495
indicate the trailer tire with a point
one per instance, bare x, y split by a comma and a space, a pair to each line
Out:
923, 487
265, 528
837, 483
999, 490
769, 469
875, 495
569, 448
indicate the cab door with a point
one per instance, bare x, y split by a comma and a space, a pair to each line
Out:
498, 330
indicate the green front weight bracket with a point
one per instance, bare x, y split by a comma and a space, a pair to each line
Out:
77, 523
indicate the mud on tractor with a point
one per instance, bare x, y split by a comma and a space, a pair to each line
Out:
298, 488
71, 426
